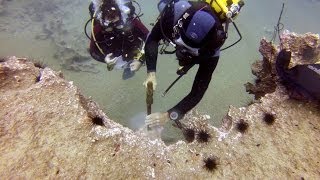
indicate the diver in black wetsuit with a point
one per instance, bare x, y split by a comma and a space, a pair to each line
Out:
197, 34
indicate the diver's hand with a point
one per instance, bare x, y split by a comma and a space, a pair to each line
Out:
157, 119
111, 62
108, 58
135, 65
151, 78
138, 60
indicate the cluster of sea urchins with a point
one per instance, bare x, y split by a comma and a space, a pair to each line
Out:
190, 134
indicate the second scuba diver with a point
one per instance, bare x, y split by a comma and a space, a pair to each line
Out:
197, 32
118, 35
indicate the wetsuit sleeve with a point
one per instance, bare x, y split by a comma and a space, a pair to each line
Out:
151, 47
199, 87
139, 29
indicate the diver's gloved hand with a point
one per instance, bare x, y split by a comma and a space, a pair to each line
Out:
111, 62
157, 119
137, 60
151, 78
135, 65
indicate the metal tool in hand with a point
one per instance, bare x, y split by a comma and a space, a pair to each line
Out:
181, 71
149, 98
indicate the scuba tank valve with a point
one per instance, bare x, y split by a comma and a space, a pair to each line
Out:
226, 8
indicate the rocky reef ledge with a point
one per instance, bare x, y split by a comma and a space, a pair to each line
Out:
49, 130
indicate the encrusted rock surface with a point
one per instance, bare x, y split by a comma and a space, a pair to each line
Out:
49, 130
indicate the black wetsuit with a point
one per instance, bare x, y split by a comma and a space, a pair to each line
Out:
302, 80
207, 59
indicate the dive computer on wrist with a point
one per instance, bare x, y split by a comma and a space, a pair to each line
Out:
173, 115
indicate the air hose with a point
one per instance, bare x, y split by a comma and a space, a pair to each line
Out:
92, 33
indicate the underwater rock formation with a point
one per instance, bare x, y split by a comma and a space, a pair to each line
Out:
48, 129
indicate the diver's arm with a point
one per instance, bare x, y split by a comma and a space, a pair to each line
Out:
199, 87
140, 29
151, 47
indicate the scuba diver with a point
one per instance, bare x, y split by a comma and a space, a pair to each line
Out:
197, 30
117, 36
302, 81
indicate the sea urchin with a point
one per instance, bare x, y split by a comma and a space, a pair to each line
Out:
39, 64
189, 134
211, 163
203, 136
269, 118
97, 121
242, 126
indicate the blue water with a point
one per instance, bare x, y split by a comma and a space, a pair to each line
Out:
52, 31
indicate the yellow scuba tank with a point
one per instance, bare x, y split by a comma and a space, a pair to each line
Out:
226, 8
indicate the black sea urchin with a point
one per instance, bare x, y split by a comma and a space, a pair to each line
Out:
189, 134
203, 136
211, 163
39, 64
97, 121
242, 126
269, 118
